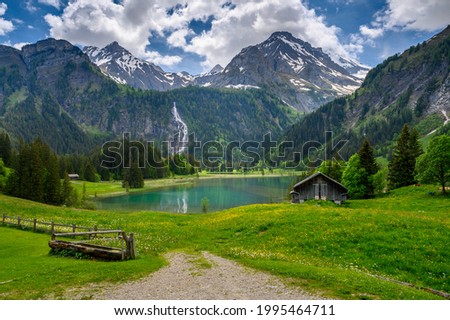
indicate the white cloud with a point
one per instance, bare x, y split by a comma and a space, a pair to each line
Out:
400, 15
371, 33
253, 21
178, 37
17, 46
161, 60
53, 3
133, 22
29, 6
423, 15
5, 25
3, 8
100, 22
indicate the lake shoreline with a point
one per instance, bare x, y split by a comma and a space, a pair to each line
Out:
159, 184
207, 193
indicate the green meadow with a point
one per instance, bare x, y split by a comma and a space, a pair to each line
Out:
360, 250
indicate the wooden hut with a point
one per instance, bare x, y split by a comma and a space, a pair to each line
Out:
318, 187
74, 176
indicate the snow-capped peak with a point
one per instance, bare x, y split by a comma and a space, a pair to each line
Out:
217, 69
120, 65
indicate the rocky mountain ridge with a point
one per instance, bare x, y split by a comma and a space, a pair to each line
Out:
301, 75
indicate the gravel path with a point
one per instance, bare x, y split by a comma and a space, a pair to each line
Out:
205, 277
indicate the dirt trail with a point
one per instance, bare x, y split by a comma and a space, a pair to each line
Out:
205, 277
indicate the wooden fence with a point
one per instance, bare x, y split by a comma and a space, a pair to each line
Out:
40, 226
73, 231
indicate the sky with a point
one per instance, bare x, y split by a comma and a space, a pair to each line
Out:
195, 35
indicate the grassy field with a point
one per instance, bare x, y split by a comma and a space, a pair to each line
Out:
334, 251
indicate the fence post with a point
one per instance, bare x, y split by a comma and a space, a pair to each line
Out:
132, 255
74, 228
53, 227
4, 218
18, 221
34, 224
130, 246
127, 245
95, 229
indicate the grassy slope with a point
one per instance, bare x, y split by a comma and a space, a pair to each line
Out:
325, 248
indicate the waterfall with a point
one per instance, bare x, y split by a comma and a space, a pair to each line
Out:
182, 136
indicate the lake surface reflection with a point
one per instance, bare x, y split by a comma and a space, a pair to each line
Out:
221, 193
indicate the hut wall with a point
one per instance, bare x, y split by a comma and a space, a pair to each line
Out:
328, 190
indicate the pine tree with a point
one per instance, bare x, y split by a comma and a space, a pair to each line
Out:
414, 144
66, 190
90, 174
367, 158
134, 177
52, 186
3, 175
5, 148
403, 163
368, 162
37, 173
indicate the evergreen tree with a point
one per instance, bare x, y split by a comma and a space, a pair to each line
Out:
414, 144
3, 175
66, 190
5, 148
133, 177
367, 158
90, 174
369, 164
37, 173
403, 163
434, 165
52, 184
355, 178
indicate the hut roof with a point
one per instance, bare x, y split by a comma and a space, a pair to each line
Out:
316, 175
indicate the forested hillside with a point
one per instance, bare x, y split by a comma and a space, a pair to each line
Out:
409, 88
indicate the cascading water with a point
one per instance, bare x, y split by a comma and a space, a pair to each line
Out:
182, 136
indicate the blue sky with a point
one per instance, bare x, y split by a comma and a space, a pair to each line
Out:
194, 35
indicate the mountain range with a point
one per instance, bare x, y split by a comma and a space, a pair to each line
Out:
304, 77
52, 90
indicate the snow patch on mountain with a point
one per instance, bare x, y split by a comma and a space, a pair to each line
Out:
303, 76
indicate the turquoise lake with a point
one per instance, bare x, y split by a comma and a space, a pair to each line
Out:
222, 193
